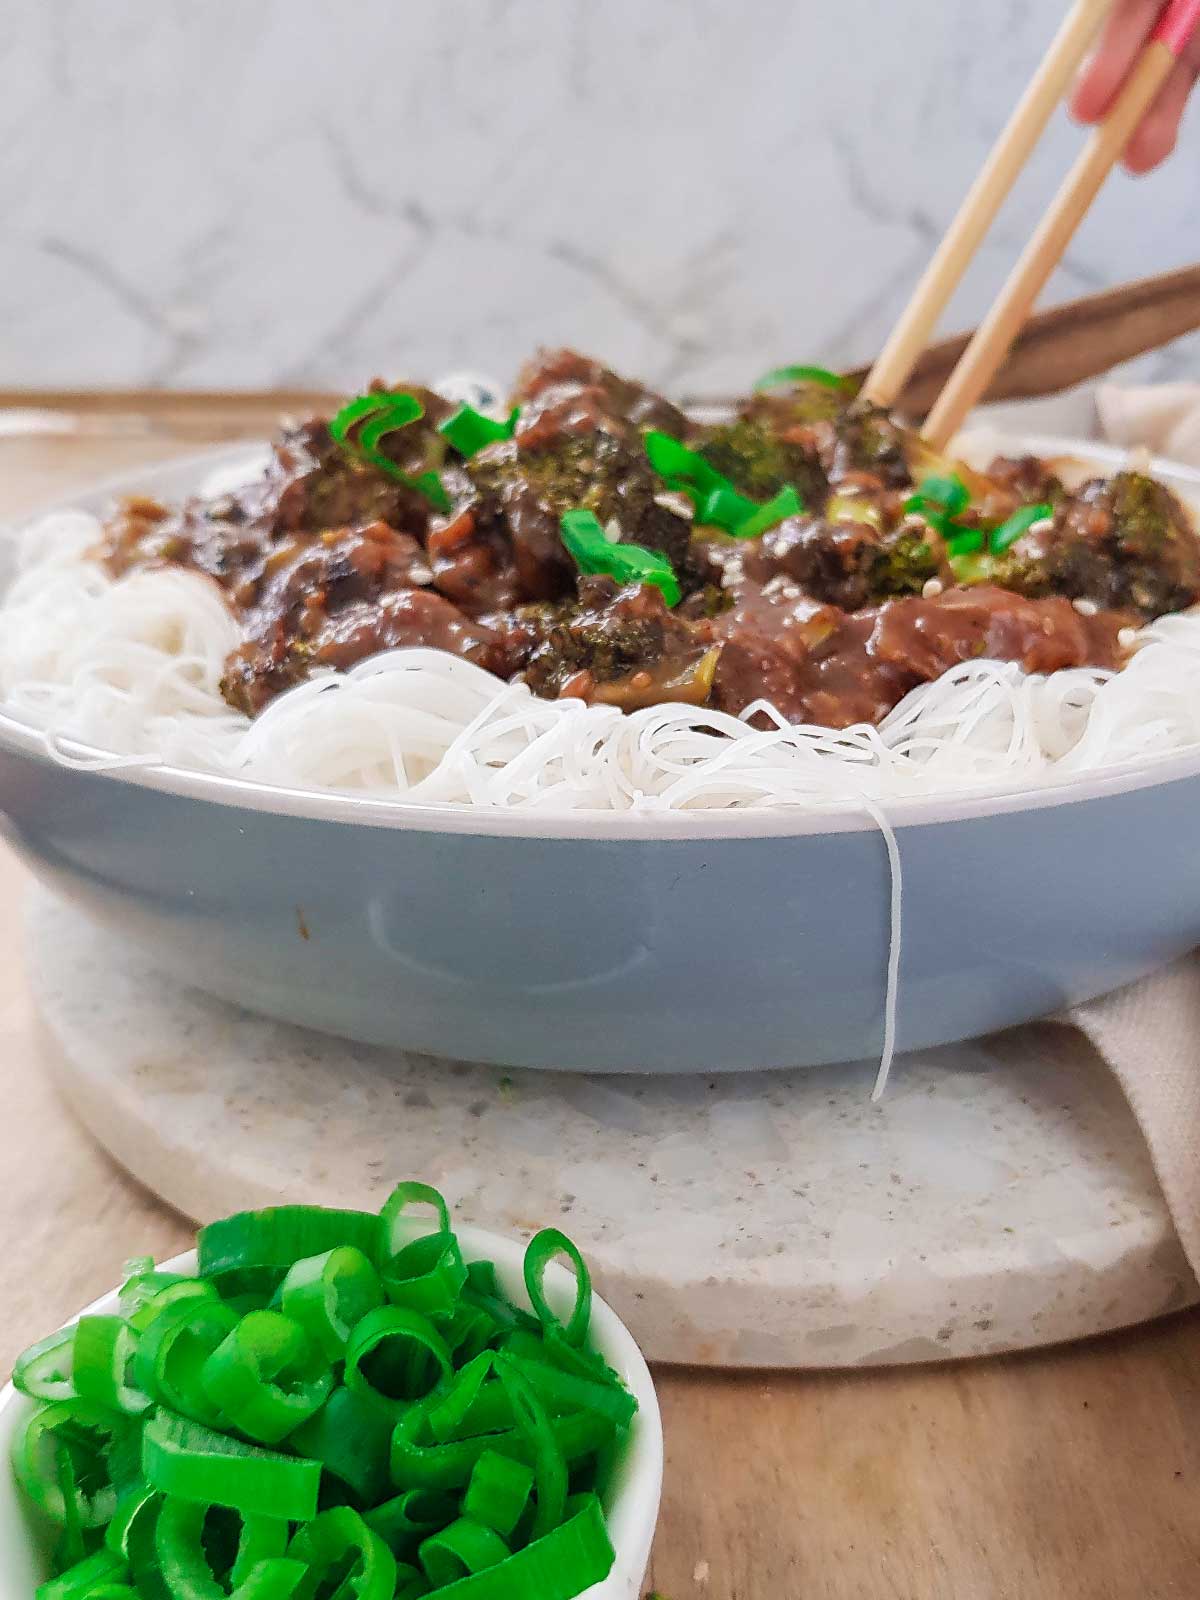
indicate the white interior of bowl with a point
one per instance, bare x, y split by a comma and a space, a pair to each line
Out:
632, 1503
217, 470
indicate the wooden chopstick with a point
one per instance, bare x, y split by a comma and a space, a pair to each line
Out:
978, 211
996, 333
1068, 344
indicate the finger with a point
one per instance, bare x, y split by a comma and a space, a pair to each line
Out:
1155, 136
1126, 32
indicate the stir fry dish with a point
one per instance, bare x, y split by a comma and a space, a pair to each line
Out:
593, 541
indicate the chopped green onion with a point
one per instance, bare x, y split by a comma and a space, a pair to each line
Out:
169, 1364
267, 1377
786, 503
102, 1363
44, 1371
463, 1548
965, 542
258, 1247
403, 1522
947, 494
182, 1458
540, 1252
1020, 522
717, 503
182, 1543
82, 1580
596, 553
549, 1463
432, 1439
94, 1442
498, 1492
329, 1294
779, 377
396, 1356
351, 1436
723, 507
342, 1556
375, 416
468, 431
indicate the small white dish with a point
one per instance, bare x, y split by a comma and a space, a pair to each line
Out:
632, 1505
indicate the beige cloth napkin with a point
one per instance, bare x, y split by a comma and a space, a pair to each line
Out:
1149, 1033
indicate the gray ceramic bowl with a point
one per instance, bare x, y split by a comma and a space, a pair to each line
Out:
684, 943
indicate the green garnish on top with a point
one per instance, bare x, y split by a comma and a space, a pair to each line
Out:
363, 422
939, 500
718, 504
599, 555
1020, 522
779, 377
469, 431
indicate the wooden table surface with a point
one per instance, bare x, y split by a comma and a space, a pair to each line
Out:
1067, 1475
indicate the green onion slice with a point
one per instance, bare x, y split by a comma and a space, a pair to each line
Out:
549, 1463
965, 542
948, 494
717, 503
363, 422
343, 1557
404, 1521
462, 1548
103, 1361
396, 1356
1020, 522
169, 1364
447, 1416
188, 1533
255, 1249
73, 1458
196, 1463
560, 1566
498, 1492
267, 1376
43, 1372
351, 1436
594, 552
329, 1294
541, 1250
82, 1580
781, 377
786, 503
130, 1534
469, 431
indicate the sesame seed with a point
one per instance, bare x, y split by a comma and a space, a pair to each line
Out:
1127, 637
932, 588
1085, 608
1042, 525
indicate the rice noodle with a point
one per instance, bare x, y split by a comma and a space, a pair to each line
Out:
133, 667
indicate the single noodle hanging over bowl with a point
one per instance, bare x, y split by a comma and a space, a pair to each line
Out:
585, 599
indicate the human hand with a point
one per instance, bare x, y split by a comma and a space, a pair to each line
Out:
1124, 35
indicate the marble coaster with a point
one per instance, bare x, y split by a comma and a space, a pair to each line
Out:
1000, 1197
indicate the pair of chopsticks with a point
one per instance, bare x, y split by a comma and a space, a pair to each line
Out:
995, 335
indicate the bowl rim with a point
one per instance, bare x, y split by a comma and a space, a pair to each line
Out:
784, 821
633, 1513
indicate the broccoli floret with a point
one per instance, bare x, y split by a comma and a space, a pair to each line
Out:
905, 564
597, 471
1146, 515
759, 464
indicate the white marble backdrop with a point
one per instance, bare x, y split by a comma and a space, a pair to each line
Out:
250, 192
